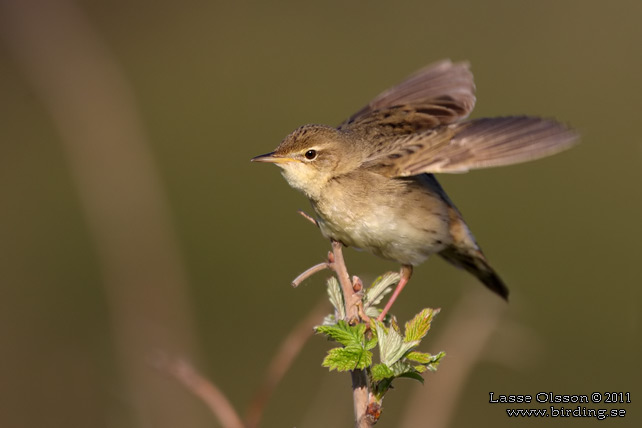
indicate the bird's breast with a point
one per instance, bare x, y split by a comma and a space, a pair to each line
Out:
398, 219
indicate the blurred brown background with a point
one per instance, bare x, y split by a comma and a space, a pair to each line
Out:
132, 221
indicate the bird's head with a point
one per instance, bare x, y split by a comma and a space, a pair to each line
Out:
311, 156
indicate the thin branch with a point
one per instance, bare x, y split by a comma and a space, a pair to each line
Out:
309, 218
198, 385
308, 273
350, 289
350, 296
282, 361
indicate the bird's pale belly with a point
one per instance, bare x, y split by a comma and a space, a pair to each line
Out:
395, 233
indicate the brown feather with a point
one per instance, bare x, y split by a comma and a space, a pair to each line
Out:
478, 143
438, 94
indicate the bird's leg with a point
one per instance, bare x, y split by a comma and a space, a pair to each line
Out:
406, 273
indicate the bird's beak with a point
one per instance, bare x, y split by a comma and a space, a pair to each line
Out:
272, 158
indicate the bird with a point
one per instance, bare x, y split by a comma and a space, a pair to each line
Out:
371, 180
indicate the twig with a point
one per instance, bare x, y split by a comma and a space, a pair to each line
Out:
308, 273
202, 388
351, 298
337, 264
309, 218
282, 361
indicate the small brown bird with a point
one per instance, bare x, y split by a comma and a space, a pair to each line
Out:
370, 179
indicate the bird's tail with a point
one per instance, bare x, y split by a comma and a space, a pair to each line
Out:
474, 262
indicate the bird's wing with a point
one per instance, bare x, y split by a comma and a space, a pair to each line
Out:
440, 93
478, 143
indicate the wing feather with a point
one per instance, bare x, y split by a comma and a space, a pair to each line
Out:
478, 143
440, 93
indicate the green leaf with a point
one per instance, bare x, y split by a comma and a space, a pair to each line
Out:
413, 375
344, 333
355, 354
372, 312
381, 371
420, 357
434, 361
394, 325
371, 343
336, 298
379, 288
391, 345
380, 388
401, 367
348, 358
417, 327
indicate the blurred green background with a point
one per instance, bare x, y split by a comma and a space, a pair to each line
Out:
133, 223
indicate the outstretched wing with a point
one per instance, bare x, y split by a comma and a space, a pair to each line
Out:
438, 94
478, 143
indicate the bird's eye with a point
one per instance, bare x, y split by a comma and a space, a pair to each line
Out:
310, 154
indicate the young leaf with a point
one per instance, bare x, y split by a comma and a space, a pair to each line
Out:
413, 375
417, 327
336, 298
420, 357
343, 333
391, 345
348, 358
372, 312
381, 371
434, 361
371, 343
401, 367
379, 288
380, 388
425, 360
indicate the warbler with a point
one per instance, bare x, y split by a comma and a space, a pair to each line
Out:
370, 180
